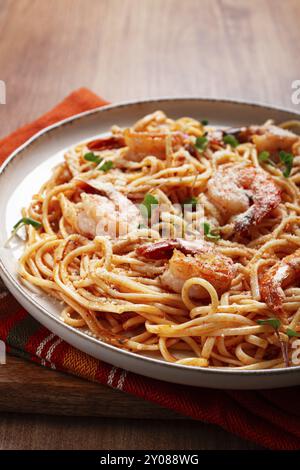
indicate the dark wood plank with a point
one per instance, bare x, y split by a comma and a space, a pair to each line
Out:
29, 388
52, 432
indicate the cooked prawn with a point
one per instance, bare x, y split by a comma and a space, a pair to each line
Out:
268, 138
108, 213
107, 143
165, 248
143, 144
243, 194
275, 279
191, 259
157, 119
211, 266
273, 139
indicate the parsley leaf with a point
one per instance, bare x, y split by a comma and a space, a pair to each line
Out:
91, 157
21, 223
231, 140
26, 221
210, 234
287, 159
106, 166
292, 333
204, 122
148, 205
274, 322
264, 156
201, 143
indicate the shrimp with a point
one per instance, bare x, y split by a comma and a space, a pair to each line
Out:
143, 144
282, 274
273, 139
268, 138
157, 119
111, 213
191, 259
107, 143
165, 248
243, 194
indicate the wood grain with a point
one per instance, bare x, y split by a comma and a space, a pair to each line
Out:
53, 432
129, 49
29, 388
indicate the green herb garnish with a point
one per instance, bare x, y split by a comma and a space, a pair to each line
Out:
274, 322
21, 223
209, 233
91, 157
231, 140
26, 221
147, 205
191, 201
292, 333
204, 122
287, 159
106, 166
264, 156
201, 143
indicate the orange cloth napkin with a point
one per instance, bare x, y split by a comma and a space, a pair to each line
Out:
77, 102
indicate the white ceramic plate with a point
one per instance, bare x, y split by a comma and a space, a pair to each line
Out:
30, 165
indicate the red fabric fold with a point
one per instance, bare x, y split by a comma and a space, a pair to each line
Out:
77, 102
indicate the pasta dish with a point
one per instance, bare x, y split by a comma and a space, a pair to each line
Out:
177, 239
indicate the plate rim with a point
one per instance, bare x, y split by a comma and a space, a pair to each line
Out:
17, 285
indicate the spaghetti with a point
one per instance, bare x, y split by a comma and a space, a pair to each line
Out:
175, 239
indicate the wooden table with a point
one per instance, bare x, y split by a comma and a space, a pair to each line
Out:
129, 49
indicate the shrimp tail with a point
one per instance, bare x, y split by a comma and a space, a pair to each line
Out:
157, 251
107, 143
164, 249
275, 279
265, 196
273, 295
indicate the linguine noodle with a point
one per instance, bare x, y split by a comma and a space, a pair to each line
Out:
131, 281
